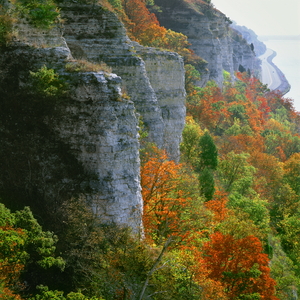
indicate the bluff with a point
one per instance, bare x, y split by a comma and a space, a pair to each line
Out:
211, 37
153, 79
251, 37
86, 142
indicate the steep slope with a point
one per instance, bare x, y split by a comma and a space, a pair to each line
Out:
97, 35
251, 37
85, 142
210, 36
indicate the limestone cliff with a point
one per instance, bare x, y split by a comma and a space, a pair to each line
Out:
97, 35
86, 143
210, 36
251, 37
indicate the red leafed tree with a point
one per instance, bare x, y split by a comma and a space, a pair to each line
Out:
242, 143
218, 206
12, 259
240, 265
139, 15
163, 201
208, 107
263, 107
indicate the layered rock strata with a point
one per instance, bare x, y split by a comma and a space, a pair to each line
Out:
251, 37
87, 144
97, 35
165, 71
210, 36
90, 147
101, 129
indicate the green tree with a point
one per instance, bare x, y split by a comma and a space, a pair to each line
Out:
190, 141
206, 163
46, 83
235, 173
207, 183
208, 157
46, 294
41, 13
282, 270
292, 172
26, 251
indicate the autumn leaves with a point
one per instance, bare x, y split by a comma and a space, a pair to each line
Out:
237, 184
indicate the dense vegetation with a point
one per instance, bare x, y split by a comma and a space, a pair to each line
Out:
221, 224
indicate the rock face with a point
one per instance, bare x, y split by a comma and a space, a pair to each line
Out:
86, 144
210, 36
251, 37
165, 71
243, 56
92, 146
101, 129
97, 35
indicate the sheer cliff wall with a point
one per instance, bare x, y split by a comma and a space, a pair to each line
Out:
210, 36
87, 144
83, 144
97, 35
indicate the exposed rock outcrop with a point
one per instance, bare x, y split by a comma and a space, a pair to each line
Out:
97, 35
101, 129
165, 71
251, 37
210, 36
86, 144
91, 147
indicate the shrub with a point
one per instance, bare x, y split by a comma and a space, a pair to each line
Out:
41, 13
46, 82
6, 27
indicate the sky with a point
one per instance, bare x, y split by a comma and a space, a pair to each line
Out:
264, 17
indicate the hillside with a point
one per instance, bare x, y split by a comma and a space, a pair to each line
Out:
156, 168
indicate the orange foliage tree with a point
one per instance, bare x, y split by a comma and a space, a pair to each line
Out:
218, 205
143, 27
208, 106
240, 265
163, 201
12, 260
292, 172
140, 17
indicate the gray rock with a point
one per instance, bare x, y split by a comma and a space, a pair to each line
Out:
210, 36
95, 148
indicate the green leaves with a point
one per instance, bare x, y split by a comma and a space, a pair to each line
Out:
6, 26
47, 83
190, 141
24, 246
208, 156
235, 172
41, 13
46, 294
207, 183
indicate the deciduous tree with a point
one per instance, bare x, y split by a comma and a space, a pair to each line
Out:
163, 202
240, 265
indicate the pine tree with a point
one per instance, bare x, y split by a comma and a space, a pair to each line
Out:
207, 183
208, 156
208, 161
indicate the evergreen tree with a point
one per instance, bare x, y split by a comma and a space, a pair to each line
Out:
208, 156
207, 183
208, 161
